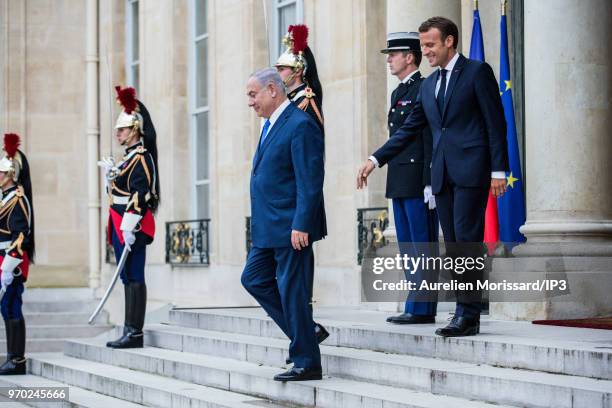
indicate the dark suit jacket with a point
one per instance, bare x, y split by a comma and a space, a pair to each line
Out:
469, 136
287, 182
409, 171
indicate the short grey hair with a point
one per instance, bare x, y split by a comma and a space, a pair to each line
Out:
270, 75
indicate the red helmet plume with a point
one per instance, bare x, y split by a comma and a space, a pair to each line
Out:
127, 98
11, 144
300, 37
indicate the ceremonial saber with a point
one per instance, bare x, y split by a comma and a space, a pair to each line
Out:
120, 265
2, 292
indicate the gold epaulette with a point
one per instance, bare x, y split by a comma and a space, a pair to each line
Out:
309, 100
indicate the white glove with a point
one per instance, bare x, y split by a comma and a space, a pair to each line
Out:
108, 166
9, 263
429, 198
129, 238
7, 279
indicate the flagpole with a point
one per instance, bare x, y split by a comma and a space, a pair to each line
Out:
504, 3
475, 4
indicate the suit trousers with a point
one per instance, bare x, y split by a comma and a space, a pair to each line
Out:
281, 279
462, 217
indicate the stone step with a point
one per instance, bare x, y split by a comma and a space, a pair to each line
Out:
63, 318
77, 397
521, 345
61, 331
57, 294
446, 377
37, 345
139, 387
60, 306
256, 379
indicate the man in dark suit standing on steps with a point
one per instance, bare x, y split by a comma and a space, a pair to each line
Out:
460, 103
409, 177
287, 217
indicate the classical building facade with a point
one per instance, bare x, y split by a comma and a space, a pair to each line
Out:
189, 60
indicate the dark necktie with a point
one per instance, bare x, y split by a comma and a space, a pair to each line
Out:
441, 91
264, 132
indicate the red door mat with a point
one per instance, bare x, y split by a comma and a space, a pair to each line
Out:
590, 323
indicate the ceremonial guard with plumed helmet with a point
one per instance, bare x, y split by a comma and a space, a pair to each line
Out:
133, 187
298, 69
16, 249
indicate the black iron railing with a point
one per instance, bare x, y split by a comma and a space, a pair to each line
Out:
187, 242
371, 223
248, 239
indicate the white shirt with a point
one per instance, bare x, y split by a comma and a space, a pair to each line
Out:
449, 71
410, 75
274, 116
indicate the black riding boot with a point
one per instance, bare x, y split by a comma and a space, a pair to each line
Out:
126, 307
15, 363
135, 307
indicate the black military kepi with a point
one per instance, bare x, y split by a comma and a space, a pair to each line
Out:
402, 41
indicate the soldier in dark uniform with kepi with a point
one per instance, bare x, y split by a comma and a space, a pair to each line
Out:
133, 186
409, 176
298, 69
16, 249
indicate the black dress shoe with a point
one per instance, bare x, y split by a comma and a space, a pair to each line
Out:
300, 374
407, 318
320, 333
460, 326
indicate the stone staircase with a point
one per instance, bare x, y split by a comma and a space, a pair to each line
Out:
53, 315
227, 358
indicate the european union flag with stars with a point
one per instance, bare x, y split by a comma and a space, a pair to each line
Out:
511, 206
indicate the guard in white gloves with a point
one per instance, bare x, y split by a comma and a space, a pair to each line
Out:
16, 249
133, 186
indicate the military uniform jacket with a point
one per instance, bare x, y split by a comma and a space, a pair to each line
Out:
304, 99
408, 172
131, 191
15, 222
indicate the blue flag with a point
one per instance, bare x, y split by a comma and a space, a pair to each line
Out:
476, 45
511, 206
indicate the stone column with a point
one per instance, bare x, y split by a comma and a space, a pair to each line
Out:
93, 135
568, 170
567, 105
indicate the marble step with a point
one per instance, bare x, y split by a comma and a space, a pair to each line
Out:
139, 387
561, 350
77, 397
73, 306
37, 345
57, 294
257, 380
447, 377
62, 318
60, 331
